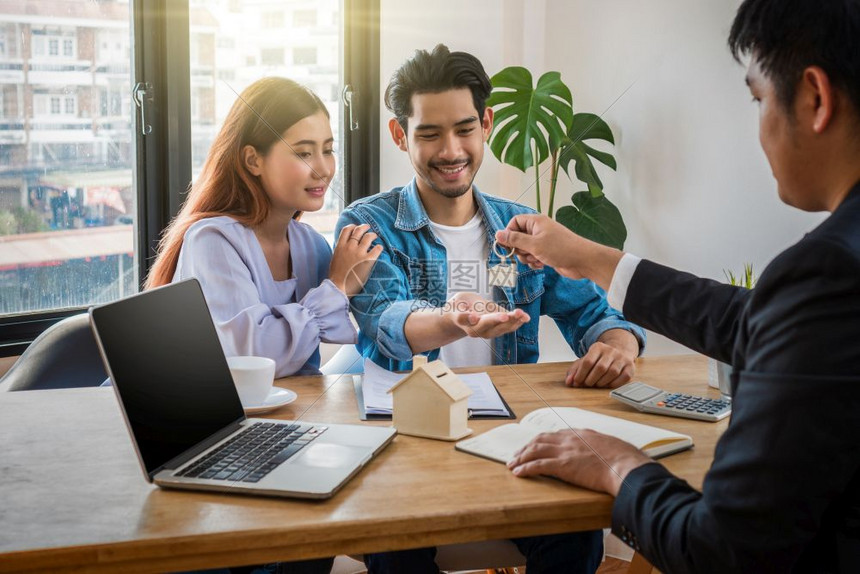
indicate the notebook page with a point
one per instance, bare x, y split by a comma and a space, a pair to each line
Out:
560, 418
500, 443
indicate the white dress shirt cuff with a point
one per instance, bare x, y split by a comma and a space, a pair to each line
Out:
621, 280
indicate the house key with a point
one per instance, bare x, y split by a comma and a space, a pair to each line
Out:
504, 274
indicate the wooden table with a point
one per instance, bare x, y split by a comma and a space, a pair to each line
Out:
73, 497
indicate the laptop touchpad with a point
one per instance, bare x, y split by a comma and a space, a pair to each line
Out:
327, 455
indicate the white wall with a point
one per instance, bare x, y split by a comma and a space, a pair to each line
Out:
692, 183
410, 25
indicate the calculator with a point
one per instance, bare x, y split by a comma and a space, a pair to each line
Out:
653, 400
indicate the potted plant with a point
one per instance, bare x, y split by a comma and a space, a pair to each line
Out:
719, 372
745, 280
536, 123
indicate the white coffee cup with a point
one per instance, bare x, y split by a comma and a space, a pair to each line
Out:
253, 377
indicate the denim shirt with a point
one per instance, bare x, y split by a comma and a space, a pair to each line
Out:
411, 274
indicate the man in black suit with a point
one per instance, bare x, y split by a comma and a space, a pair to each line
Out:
783, 493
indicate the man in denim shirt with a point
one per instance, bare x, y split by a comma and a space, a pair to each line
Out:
428, 292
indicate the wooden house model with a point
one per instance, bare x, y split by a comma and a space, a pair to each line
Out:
430, 402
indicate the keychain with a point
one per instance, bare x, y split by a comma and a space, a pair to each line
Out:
504, 274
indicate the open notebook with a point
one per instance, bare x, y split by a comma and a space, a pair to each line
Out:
502, 442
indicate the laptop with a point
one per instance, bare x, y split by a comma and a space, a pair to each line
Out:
182, 410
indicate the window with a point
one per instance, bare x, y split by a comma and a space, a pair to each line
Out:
273, 62
113, 48
63, 190
272, 19
304, 18
52, 105
9, 98
272, 56
52, 42
303, 56
112, 102
72, 133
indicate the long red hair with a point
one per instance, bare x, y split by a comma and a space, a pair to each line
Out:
261, 114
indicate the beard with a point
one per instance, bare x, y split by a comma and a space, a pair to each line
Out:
449, 192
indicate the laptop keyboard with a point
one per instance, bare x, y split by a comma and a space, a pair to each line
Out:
254, 452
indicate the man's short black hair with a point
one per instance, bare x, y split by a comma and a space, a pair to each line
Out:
787, 36
434, 72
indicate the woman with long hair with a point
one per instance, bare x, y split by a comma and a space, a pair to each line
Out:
272, 283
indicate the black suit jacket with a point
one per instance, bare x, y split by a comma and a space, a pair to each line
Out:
783, 494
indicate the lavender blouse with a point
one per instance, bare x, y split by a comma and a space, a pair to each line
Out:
253, 313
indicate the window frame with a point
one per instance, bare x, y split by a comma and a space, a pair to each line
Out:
162, 166
361, 72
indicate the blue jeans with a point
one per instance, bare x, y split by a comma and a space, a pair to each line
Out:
572, 553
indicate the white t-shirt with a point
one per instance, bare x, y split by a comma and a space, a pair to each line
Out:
467, 271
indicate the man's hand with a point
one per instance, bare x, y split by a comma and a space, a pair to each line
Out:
464, 315
541, 241
478, 317
581, 457
609, 362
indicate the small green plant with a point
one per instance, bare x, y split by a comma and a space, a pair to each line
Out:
8, 223
535, 123
747, 279
20, 220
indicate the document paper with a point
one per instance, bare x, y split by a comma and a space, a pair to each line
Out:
485, 399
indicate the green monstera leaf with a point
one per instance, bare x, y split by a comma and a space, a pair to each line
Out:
528, 118
574, 149
594, 218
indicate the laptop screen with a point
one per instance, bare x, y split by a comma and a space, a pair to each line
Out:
169, 369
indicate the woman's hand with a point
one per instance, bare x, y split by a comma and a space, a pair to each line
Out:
353, 258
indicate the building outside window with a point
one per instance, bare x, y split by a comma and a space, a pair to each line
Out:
266, 52
62, 189
68, 207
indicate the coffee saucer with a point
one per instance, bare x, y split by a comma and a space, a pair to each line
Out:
277, 398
